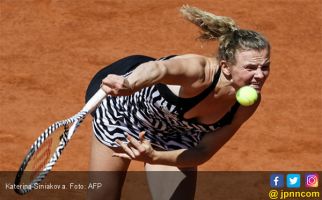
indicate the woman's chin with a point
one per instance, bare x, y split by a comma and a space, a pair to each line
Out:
258, 88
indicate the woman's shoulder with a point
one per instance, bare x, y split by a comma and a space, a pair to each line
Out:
204, 64
196, 57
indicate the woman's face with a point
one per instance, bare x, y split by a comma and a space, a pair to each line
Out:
251, 68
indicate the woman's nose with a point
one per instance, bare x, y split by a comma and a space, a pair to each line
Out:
259, 73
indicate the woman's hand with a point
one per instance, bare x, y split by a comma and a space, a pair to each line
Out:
116, 85
137, 150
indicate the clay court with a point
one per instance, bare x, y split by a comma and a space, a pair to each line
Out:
50, 49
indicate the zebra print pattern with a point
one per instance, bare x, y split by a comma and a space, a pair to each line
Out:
146, 110
76, 119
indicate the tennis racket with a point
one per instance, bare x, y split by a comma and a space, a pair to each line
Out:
47, 148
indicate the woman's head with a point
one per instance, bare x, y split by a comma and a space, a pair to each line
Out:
241, 39
233, 43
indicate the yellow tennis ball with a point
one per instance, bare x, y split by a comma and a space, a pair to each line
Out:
246, 96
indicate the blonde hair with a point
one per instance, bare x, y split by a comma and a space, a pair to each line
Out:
225, 30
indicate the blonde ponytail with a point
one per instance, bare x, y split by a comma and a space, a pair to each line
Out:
214, 27
226, 31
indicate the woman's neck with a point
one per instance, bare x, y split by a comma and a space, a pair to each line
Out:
224, 88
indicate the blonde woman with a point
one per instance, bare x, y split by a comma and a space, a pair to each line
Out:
176, 112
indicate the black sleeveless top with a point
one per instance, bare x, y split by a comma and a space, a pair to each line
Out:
154, 109
185, 104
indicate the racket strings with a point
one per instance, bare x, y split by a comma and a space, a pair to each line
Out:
63, 140
78, 117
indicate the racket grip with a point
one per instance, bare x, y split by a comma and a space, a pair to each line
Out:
94, 101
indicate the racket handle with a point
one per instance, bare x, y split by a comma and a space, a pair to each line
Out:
94, 101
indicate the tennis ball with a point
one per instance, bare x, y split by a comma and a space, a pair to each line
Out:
246, 96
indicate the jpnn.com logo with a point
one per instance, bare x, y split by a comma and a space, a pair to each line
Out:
294, 180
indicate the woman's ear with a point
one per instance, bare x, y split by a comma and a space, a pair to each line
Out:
225, 68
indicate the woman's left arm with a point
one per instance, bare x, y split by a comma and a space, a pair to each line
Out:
208, 146
212, 142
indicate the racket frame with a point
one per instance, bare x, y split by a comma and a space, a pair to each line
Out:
75, 120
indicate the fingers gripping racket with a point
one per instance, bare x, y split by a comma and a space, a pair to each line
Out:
47, 148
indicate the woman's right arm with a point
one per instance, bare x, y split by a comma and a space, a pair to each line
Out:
186, 70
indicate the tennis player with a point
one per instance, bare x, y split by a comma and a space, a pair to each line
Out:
176, 112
